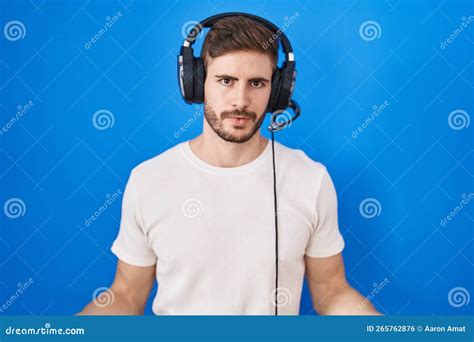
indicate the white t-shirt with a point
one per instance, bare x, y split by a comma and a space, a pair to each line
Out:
210, 230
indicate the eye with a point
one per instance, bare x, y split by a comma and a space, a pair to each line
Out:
226, 81
257, 84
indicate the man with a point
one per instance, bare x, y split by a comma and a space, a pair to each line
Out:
199, 217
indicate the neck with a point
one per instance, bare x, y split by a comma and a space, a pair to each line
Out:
212, 149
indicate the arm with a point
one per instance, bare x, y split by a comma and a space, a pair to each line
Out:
128, 293
330, 291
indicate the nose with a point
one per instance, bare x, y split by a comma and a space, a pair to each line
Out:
241, 97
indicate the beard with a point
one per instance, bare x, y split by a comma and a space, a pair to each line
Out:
238, 133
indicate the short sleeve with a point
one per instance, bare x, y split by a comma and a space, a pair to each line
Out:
326, 239
131, 244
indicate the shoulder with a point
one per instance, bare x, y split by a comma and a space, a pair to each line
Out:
297, 160
167, 160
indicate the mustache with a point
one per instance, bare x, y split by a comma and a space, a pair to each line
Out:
239, 112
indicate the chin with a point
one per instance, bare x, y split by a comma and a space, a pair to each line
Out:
240, 136
239, 132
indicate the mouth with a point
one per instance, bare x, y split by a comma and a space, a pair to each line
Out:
239, 119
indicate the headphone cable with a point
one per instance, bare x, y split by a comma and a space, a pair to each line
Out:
276, 225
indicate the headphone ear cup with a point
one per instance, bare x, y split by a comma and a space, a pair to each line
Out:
285, 86
272, 102
188, 75
199, 79
284, 90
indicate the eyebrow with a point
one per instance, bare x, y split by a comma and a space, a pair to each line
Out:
262, 79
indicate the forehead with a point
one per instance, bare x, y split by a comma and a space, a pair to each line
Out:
241, 64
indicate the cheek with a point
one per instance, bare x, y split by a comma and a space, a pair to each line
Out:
213, 94
262, 97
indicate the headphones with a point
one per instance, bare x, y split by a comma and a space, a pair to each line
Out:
192, 73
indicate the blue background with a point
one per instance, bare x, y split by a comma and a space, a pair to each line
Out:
409, 158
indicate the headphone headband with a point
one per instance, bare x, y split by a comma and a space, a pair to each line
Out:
208, 22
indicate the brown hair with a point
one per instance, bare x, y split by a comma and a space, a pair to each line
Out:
239, 33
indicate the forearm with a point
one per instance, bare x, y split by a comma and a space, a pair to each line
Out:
345, 300
112, 303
